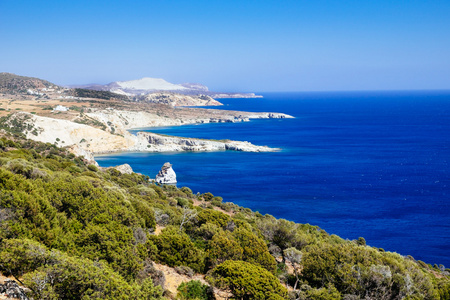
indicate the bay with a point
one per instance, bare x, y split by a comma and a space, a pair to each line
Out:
371, 164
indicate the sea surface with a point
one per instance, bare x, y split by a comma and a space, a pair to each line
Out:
370, 164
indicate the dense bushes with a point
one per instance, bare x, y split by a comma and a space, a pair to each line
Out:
365, 272
247, 281
175, 248
56, 275
194, 289
72, 230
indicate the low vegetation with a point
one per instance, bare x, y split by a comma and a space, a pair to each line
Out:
106, 95
15, 84
71, 230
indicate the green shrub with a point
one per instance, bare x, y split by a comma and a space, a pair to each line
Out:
194, 289
254, 249
223, 247
213, 216
182, 202
187, 191
207, 196
176, 249
93, 168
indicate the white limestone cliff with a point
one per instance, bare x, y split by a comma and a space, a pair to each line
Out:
123, 120
151, 142
85, 140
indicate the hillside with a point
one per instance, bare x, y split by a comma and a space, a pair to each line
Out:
105, 95
11, 83
149, 90
70, 230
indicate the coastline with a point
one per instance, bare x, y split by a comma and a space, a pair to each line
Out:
102, 131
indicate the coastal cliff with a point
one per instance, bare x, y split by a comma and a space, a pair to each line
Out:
151, 142
111, 132
123, 120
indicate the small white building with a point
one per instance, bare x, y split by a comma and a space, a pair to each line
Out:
60, 108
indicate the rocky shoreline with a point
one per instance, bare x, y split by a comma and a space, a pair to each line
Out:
111, 131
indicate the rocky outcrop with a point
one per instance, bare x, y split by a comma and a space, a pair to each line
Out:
79, 151
124, 169
268, 115
11, 290
234, 95
152, 142
166, 175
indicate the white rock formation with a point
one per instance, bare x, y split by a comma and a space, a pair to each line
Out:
166, 175
124, 169
151, 142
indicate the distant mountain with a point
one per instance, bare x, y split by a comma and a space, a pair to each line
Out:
136, 87
147, 85
12, 83
150, 90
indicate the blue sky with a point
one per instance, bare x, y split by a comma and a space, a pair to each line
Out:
232, 45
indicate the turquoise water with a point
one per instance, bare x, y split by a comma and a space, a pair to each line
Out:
372, 164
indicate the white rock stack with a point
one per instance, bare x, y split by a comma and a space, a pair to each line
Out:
166, 175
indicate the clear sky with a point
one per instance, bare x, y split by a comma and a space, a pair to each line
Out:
300, 45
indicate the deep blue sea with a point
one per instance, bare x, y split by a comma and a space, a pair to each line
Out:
371, 164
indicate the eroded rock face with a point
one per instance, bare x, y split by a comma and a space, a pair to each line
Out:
151, 142
166, 175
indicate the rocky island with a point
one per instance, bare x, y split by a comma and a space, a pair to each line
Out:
166, 175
